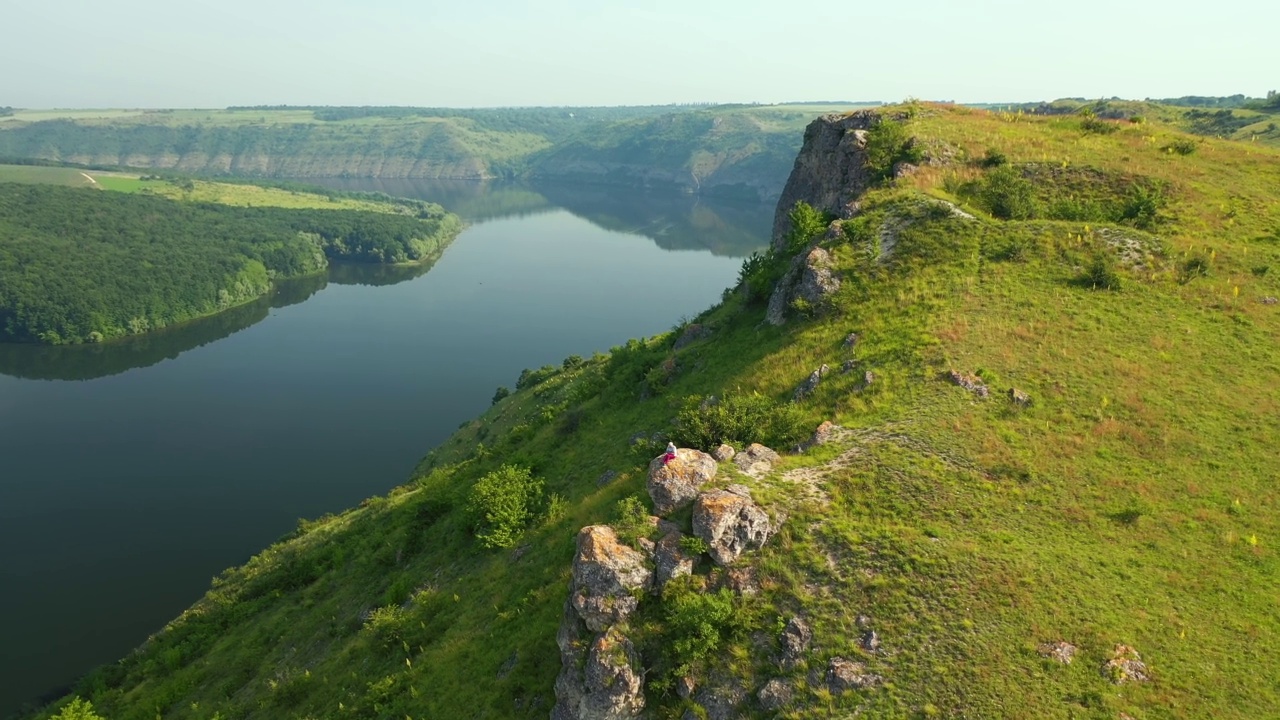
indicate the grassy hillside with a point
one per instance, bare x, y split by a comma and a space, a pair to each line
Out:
1126, 289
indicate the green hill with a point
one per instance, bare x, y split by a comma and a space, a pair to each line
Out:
1049, 351
731, 150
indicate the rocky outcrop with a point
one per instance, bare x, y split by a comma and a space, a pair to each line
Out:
830, 173
692, 334
671, 560
794, 640
806, 388
730, 524
844, 675
1125, 666
607, 577
1062, 651
972, 383
810, 278
600, 679
775, 695
724, 452
757, 460
675, 484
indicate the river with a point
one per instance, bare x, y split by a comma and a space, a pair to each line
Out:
132, 473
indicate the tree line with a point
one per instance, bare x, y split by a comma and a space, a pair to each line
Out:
81, 265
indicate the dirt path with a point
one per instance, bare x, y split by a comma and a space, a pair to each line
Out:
90, 179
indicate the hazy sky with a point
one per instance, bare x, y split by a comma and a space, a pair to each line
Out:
207, 53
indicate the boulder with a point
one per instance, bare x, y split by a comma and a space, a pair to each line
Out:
675, 484
723, 452
1017, 397
607, 576
721, 698
806, 388
848, 366
870, 641
730, 524
824, 434
1125, 666
972, 383
738, 580
1062, 651
795, 640
757, 460
671, 560
850, 341
844, 675
775, 695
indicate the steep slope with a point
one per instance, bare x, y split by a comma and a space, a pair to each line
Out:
1049, 356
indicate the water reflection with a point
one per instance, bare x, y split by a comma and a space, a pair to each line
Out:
86, 362
673, 220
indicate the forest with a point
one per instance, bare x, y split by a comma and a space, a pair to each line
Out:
81, 265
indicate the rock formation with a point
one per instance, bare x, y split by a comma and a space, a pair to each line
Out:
675, 484
730, 524
607, 577
757, 460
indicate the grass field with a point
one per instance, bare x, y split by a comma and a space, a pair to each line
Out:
43, 175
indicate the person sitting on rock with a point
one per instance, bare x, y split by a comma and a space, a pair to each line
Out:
671, 453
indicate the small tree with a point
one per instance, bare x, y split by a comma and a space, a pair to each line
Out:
503, 503
77, 709
1007, 194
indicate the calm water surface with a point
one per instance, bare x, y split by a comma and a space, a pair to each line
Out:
131, 474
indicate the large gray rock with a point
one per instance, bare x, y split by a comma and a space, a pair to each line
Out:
607, 577
807, 388
809, 278
756, 460
830, 173
671, 560
675, 484
775, 695
730, 524
602, 680
844, 675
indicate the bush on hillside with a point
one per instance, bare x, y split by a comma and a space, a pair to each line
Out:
1101, 273
890, 143
698, 624
77, 709
739, 419
503, 503
1007, 195
1182, 146
761, 271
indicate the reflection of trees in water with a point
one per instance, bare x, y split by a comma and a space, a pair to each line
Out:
473, 201
85, 362
376, 274
673, 220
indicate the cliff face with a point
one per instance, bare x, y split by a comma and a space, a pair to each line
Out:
830, 173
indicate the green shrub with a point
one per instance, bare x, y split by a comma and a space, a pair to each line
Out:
1101, 273
77, 709
1181, 146
994, 158
631, 520
889, 143
1097, 126
387, 624
739, 419
1196, 266
694, 545
503, 503
530, 378
698, 624
1007, 195
500, 393
1142, 206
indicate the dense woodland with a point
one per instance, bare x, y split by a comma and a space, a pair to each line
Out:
80, 265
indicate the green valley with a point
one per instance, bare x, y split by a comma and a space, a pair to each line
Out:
1017, 369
